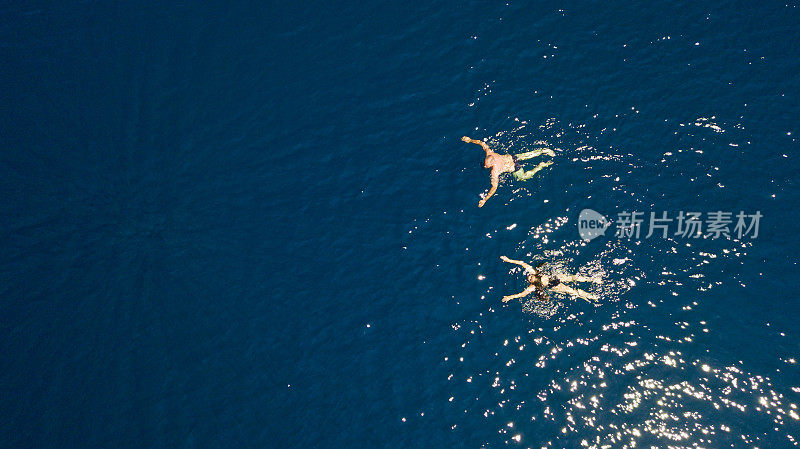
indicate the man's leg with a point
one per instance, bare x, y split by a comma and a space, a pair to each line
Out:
522, 175
534, 153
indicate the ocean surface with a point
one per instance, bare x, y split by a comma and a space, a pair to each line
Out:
255, 225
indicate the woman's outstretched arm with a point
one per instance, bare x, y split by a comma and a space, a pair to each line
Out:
521, 294
518, 262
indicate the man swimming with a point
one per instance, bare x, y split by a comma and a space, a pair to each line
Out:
540, 283
508, 163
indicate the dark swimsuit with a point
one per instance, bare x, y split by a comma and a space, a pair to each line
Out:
517, 165
541, 291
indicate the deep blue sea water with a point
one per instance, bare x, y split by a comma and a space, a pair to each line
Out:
256, 225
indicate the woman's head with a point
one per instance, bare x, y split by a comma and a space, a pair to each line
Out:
545, 280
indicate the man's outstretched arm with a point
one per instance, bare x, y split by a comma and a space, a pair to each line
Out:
478, 142
495, 182
521, 294
518, 262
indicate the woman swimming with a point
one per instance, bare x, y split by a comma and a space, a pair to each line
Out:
541, 283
